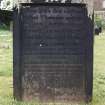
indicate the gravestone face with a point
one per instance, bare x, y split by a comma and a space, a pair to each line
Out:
53, 53
89, 3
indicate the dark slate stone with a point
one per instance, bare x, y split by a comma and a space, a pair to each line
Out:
53, 53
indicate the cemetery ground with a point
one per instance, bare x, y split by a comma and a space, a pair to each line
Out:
6, 70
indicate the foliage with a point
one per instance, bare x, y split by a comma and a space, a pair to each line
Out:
100, 22
6, 17
103, 23
4, 27
6, 4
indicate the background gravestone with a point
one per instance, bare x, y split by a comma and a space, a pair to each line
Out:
53, 52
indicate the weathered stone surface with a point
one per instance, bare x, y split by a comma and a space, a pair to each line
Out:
53, 53
89, 3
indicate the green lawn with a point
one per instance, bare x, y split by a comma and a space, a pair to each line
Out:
5, 53
99, 70
6, 85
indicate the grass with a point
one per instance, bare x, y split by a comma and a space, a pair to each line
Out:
5, 53
6, 84
99, 70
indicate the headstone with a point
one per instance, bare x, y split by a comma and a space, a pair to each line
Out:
53, 53
89, 3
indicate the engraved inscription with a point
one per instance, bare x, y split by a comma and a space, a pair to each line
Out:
53, 52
